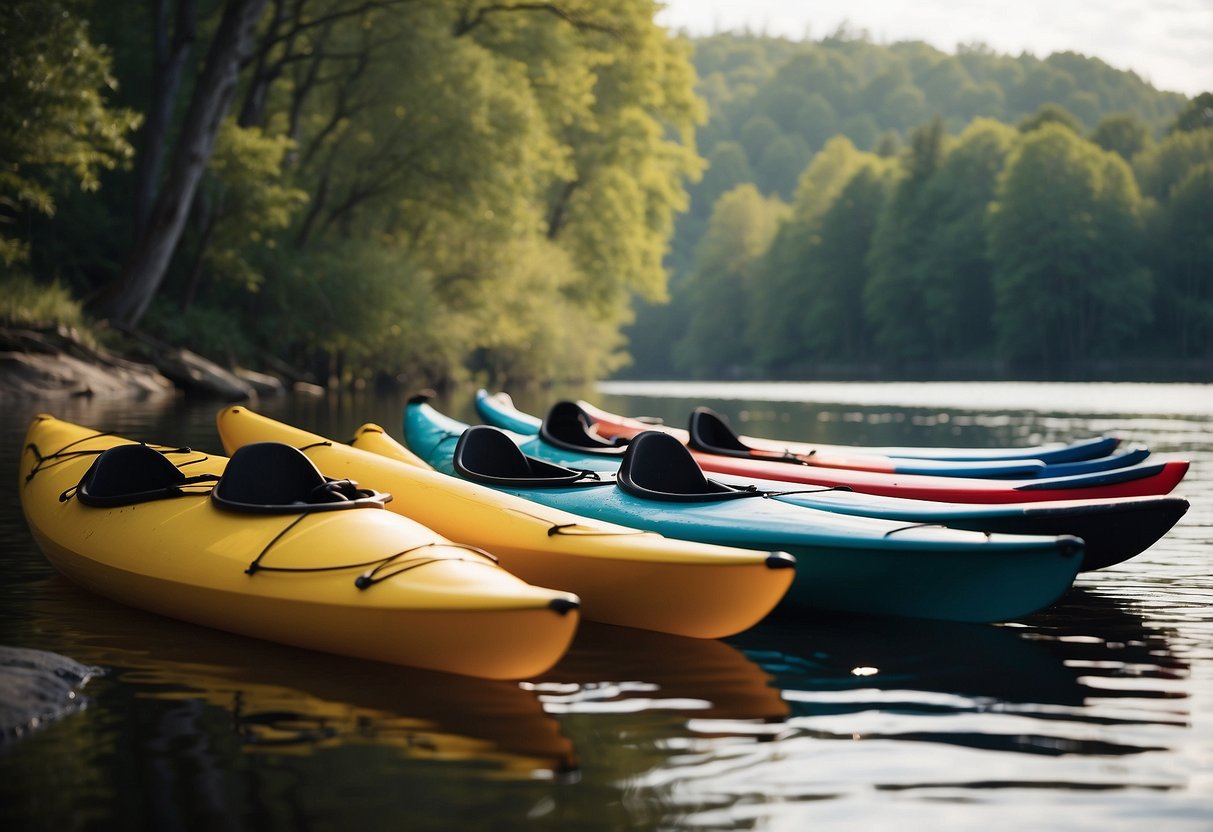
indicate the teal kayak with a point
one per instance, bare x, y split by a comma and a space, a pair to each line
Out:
709, 432
844, 563
1114, 529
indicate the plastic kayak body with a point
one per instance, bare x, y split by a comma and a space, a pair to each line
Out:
498, 409
621, 575
568, 428
363, 582
845, 563
1113, 528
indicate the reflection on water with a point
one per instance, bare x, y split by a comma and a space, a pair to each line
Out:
291, 700
1096, 713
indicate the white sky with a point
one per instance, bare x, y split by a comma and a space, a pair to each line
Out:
1169, 43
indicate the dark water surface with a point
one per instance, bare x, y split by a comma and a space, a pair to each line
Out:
1094, 714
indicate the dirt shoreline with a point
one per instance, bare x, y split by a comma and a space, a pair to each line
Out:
55, 363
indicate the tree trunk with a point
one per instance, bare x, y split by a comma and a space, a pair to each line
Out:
168, 64
126, 300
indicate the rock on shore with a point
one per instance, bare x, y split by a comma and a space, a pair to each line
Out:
50, 363
42, 363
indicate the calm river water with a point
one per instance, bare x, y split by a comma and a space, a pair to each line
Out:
1094, 714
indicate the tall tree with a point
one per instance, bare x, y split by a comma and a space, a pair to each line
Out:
893, 297
832, 325
954, 264
1122, 133
719, 290
784, 291
1181, 251
1065, 241
126, 300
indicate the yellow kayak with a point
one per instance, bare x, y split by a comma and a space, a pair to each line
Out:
623, 576
229, 545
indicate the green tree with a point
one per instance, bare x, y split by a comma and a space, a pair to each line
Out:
1050, 114
894, 296
1165, 164
1181, 251
127, 298
782, 294
781, 165
953, 266
1197, 115
757, 135
834, 270
719, 290
1065, 242
1122, 133
57, 131
817, 121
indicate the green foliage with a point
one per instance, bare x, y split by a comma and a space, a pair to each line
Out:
785, 327
1065, 238
1181, 252
56, 129
1197, 115
1050, 113
249, 204
894, 296
1162, 166
954, 267
1122, 133
719, 291
26, 302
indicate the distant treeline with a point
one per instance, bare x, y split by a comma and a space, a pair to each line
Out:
890, 210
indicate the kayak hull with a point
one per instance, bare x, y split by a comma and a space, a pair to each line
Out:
850, 564
622, 576
1113, 528
1079, 450
183, 558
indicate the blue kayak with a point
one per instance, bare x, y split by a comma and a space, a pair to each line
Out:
568, 427
853, 564
1079, 457
1114, 529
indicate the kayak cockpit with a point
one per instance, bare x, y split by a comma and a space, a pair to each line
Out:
569, 427
276, 478
127, 474
487, 455
657, 466
709, 432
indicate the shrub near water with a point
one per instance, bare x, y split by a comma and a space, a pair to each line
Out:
23, 302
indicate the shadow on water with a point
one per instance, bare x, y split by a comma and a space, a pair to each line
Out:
1049, 670
288, 700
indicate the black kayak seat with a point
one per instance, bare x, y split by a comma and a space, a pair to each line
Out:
128, 474
276, 478
485, 454
567, 426
710, 432
657, 466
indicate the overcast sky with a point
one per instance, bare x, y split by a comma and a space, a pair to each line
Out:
1169, 43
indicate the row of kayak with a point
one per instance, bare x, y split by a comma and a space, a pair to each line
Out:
475, 553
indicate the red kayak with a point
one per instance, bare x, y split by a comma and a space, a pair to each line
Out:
568, 425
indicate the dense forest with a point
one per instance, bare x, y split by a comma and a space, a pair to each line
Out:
442, 190
870, 211
417, 187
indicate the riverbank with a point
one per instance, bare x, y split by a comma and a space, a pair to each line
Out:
58, 362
